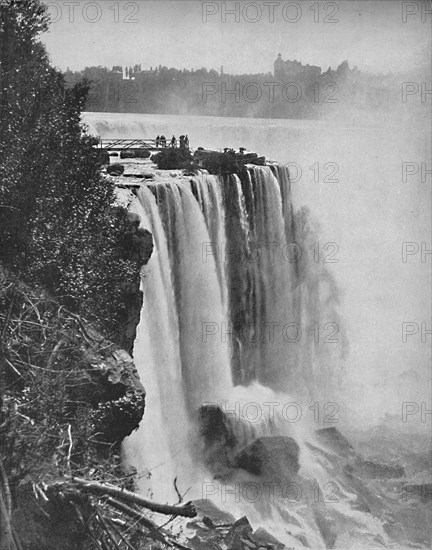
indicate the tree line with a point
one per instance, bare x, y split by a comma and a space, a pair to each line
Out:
166, 90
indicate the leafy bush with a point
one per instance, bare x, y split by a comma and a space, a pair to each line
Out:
173, 158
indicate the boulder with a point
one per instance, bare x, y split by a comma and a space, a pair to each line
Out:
220, 530
142, 153
207, 508
127, 154
239, 535
115, 169
271, 456
336, 442
138, 242
266, 540
375, 470
156, 157
218, 436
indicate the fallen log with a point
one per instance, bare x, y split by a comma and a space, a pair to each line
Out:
185, 510
156, 532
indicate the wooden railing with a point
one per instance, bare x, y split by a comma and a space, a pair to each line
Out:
139, 143
120, 144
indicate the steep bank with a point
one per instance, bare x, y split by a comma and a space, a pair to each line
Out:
69, 396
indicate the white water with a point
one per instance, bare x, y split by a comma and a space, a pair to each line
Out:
182, 292
187, 368
368, 213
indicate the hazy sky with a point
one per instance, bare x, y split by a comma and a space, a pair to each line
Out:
374, 35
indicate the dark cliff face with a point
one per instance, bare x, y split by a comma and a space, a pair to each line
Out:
138, 245
59, 375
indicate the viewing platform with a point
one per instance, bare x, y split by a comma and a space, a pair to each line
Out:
113, 144
124, 144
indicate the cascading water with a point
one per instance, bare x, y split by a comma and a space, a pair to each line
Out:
224, 298
241, 315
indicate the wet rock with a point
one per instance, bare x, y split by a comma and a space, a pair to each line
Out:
142, 153
218, 436
121, 397
217, 530
274, 456
138, 241
266, 540
115, 169
334, 440
137, 245
239, 535
223, 435
375, 470
206, 508
326, 526
156, 157
127, 154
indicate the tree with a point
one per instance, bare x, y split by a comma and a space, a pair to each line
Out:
60, 226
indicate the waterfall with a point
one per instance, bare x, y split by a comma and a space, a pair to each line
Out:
220, 291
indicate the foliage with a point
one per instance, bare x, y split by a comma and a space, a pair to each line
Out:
173, 158
66, 400
55, 420
223, 163
59, 225
52, 383
298, 94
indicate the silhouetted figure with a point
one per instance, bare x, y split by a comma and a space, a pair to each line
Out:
163, 141
182, 142
173, 142
157, 141
186, 141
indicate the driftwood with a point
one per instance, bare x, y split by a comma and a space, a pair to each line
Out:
156, 532
186, 510
8, 538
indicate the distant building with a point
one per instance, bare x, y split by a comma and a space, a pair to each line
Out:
117, 72
129, 73
291, 70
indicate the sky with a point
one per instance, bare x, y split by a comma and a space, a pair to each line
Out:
243, 37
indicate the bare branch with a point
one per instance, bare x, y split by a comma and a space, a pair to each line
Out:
155, 531
186, 510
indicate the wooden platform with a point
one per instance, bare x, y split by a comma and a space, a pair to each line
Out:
124, 144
